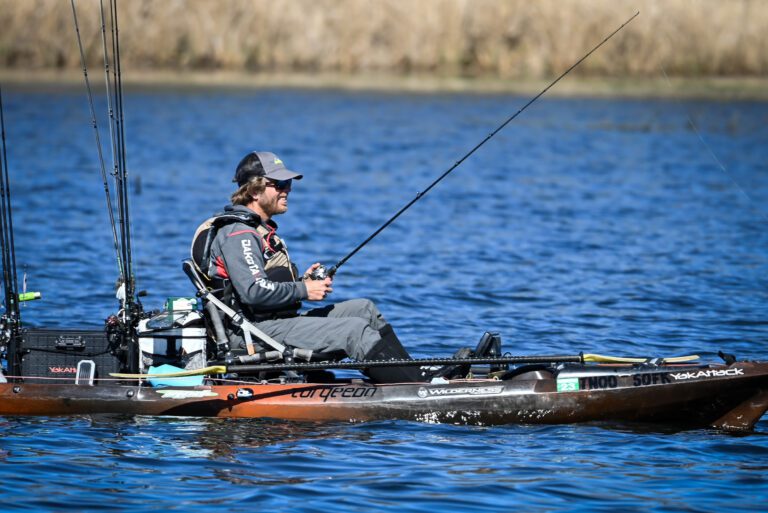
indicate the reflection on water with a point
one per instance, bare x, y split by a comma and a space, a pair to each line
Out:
149, 463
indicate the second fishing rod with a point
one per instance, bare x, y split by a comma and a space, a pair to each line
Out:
322, 272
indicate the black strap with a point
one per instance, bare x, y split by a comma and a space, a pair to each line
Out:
219, 220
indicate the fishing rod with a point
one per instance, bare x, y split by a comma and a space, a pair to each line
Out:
114, 94
419, 362
122, 175
6, 238
131, 306
321, 272
10, 321
8, 249
108, 89
102, 166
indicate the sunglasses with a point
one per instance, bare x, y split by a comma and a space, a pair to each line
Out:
280, 185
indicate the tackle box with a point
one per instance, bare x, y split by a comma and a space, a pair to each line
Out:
56, 353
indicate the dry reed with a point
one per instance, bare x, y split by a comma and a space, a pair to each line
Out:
499, 38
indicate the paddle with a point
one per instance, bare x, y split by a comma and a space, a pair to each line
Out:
225, 369
598, 358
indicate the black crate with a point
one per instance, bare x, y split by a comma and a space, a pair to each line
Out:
55, 353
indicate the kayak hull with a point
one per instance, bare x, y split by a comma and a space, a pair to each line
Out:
732, 398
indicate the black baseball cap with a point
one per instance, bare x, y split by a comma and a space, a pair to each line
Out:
262, 163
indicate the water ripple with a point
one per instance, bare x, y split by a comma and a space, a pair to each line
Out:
588, 225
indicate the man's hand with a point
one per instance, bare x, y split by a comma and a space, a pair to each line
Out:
317, 289
311, 268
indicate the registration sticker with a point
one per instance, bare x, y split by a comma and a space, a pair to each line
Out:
567, 384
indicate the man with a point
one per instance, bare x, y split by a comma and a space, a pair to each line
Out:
268, 289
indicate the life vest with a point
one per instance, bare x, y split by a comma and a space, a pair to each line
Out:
277, 261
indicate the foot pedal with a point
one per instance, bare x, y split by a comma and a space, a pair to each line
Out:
729, 359
86, 371
489, 346
455, 371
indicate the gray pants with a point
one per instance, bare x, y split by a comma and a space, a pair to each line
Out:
350, 327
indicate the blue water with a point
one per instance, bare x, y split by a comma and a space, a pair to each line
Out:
591, 225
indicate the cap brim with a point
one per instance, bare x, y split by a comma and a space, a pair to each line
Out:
283, 174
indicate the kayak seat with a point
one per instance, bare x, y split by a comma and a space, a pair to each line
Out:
222, 319
217, 313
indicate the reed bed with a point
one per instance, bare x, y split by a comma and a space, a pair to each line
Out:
476, 38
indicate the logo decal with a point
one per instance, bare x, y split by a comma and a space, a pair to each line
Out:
62, 370
264, 284
333, 392
433, 392
248, 255
711, 373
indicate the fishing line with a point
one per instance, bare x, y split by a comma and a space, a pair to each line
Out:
712, 153
108, 89
98, 142
116, 125
321, 272
117, 121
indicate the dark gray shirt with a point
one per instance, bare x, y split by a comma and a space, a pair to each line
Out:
237, 254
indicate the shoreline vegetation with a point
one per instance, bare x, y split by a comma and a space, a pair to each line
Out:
709, 48
724, 88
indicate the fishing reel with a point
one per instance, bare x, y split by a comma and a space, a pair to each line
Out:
320, 273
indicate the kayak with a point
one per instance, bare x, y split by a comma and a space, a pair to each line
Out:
110, 371
729, 397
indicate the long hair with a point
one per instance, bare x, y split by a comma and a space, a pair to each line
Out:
244, 195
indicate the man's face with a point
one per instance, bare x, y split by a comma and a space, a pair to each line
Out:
274, 199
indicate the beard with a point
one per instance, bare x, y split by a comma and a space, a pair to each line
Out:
273, 205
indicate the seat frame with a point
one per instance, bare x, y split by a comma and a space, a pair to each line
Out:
215, 307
